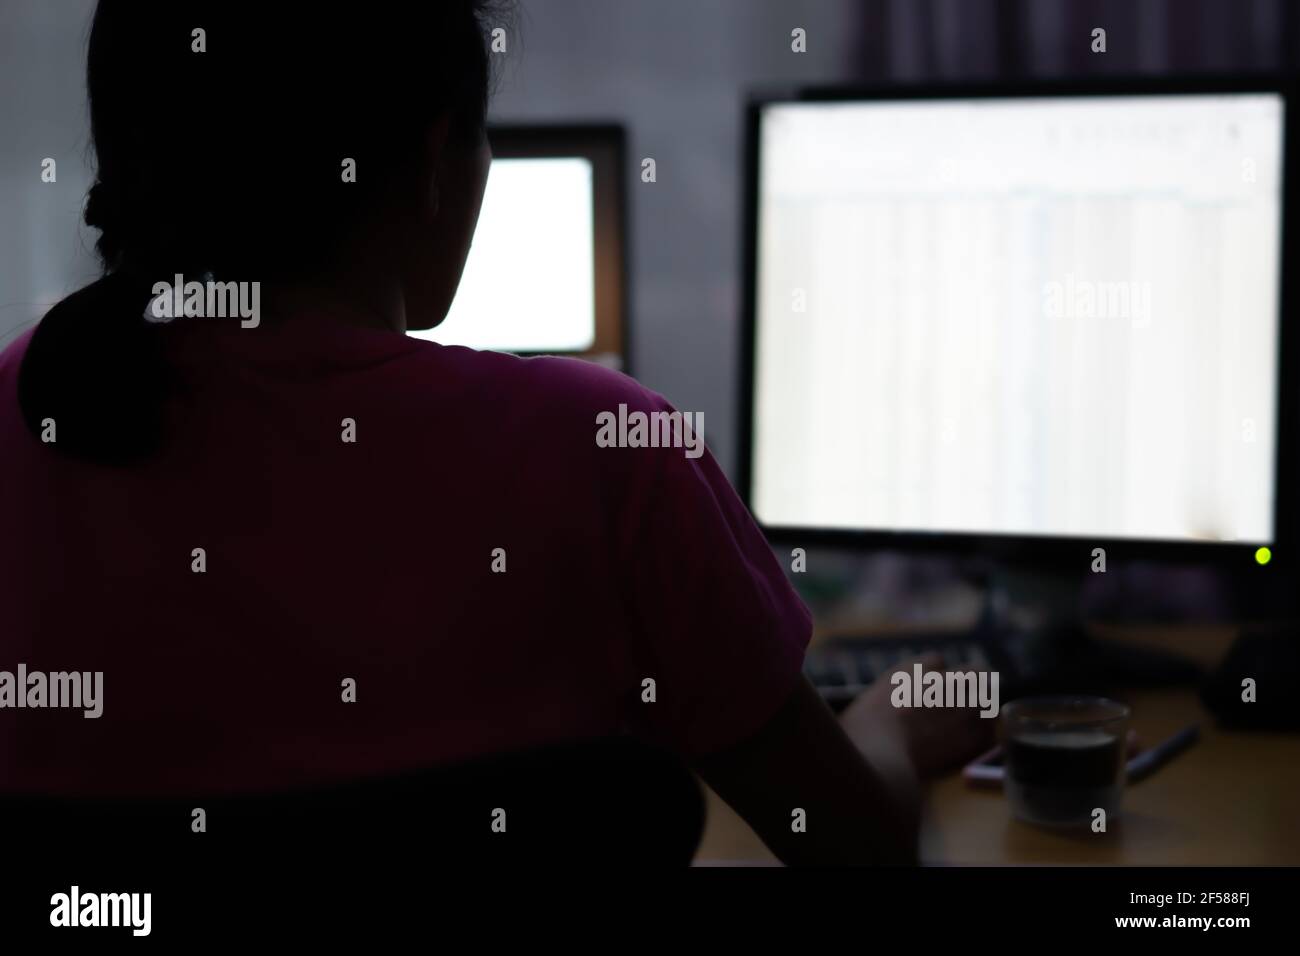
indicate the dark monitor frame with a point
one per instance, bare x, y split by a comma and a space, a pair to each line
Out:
605, 145
1046, 549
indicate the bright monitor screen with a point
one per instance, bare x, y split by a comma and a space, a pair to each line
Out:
529, 281
1027, 316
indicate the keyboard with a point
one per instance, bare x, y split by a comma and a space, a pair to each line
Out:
844, 667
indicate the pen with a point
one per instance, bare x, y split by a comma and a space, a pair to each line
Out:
1152, 759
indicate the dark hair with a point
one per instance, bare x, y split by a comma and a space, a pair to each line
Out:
229, 162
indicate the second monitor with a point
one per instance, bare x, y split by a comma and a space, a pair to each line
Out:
545, 274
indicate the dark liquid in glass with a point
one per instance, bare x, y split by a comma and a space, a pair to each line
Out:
1060, 778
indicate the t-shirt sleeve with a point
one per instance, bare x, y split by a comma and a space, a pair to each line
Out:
716, 622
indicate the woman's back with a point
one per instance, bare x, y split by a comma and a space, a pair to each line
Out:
360, 554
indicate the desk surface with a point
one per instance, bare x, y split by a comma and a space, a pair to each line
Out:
1230, 800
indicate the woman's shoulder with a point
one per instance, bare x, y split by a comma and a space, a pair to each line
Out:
13, 350
545, 384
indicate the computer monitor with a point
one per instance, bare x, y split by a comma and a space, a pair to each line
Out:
1043, 318
545, 274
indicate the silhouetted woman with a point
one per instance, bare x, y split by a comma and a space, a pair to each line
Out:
323, 563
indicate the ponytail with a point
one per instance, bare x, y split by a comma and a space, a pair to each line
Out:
94, 371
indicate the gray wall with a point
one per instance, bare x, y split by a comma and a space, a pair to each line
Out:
45, 251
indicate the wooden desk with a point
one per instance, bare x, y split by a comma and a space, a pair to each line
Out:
1233, 799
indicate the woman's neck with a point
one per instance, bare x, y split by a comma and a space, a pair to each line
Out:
372, 305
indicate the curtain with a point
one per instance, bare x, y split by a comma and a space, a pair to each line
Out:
984, 39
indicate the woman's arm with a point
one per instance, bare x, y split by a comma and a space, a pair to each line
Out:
856, 778
857, 812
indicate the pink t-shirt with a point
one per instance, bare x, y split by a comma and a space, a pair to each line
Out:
373, 561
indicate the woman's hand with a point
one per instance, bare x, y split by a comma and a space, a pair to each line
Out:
932, 739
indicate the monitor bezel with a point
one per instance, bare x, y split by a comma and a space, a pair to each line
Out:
1046, 548
604, 144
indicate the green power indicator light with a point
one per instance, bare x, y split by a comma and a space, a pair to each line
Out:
1263, 556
